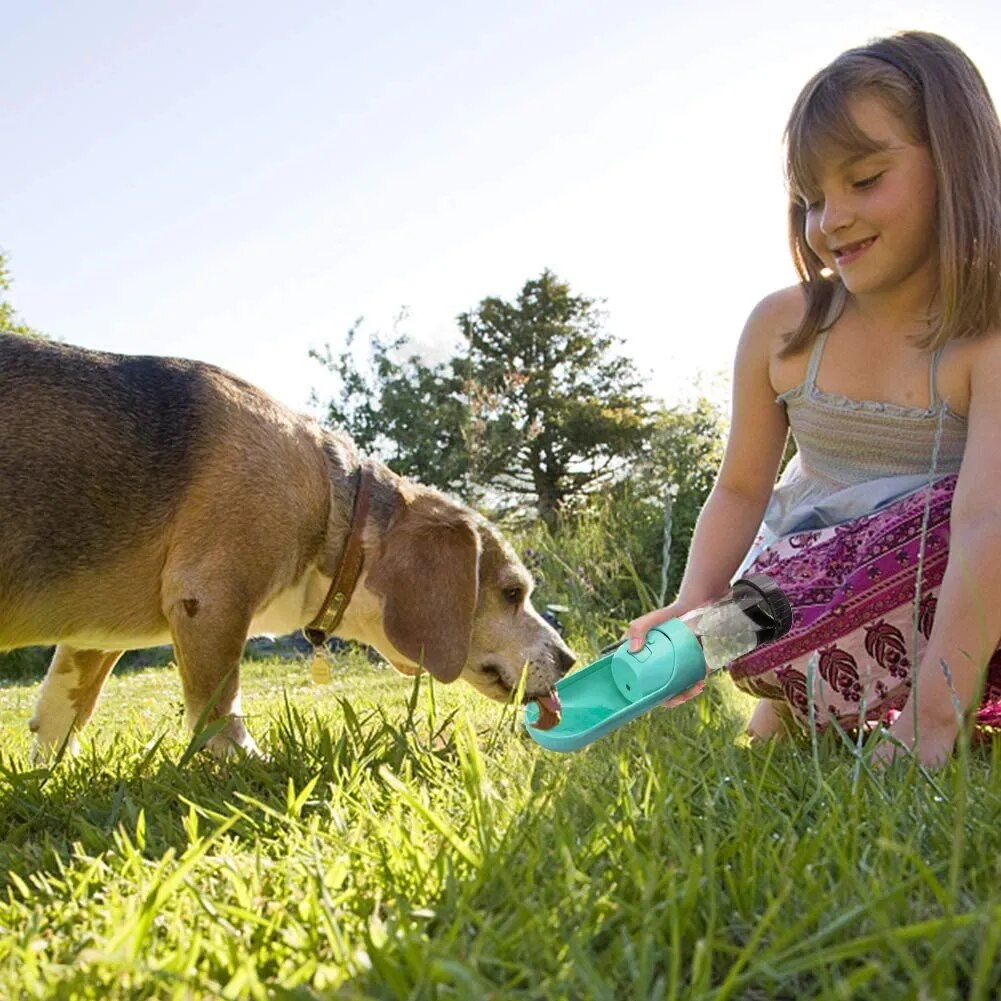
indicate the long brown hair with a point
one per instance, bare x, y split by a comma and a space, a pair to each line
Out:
936, 91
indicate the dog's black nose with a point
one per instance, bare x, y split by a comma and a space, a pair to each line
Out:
564, 660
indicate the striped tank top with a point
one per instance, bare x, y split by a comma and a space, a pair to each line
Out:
842, 441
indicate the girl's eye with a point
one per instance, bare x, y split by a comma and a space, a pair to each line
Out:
867, 182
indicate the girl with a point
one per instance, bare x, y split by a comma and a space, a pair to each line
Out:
885, 363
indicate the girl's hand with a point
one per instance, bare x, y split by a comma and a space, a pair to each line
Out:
681, 697
638, 629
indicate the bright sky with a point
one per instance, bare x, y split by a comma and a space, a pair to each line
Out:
238, 180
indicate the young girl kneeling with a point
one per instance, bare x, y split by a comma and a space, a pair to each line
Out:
885, 363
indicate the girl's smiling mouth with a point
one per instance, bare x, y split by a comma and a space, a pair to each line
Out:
851, 251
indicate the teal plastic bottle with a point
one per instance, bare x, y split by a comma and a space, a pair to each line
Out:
622, 685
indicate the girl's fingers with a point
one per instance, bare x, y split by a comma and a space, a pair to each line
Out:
682, 697
638, 628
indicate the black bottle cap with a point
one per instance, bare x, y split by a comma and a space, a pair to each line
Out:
772, 602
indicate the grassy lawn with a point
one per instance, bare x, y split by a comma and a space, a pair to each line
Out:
414, 844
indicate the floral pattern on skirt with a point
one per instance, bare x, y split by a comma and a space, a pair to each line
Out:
854, 630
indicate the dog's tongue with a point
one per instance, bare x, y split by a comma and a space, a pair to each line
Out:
549, 710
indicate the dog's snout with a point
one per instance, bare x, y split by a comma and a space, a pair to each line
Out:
564, 660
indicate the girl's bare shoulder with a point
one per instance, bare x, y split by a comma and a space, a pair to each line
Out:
766, 333
987, 347
982, 358
779, 312
967, 364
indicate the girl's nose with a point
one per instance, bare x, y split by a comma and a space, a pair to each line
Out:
836, 215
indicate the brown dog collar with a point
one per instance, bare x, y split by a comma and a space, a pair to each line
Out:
348, 571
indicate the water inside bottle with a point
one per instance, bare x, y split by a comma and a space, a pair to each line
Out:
724, 630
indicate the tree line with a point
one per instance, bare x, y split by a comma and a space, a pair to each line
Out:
10, 323
536, 410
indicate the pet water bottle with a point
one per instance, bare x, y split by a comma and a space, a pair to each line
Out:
754, 611
676, 655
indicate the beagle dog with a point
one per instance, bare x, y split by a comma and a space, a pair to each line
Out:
148, 500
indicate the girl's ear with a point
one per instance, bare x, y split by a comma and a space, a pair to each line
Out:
427, 573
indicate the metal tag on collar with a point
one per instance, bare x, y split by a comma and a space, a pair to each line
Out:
319, 669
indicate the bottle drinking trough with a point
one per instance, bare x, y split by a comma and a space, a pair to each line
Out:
621, 685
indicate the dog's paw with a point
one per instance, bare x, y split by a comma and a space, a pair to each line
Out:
234, 742
45, 752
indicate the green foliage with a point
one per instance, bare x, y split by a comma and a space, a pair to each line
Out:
410, 842
26, 664
535, 409
684, 455
606, 563
601, 566
9, 322
413, 415
554, 411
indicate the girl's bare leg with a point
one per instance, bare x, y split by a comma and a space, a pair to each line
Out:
769, 719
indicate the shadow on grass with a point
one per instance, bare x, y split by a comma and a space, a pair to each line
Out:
77, 804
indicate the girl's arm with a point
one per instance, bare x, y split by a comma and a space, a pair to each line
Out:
730, 518
968, 612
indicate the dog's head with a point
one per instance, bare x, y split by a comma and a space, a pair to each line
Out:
455, 599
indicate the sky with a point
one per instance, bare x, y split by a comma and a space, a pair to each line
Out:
241, 182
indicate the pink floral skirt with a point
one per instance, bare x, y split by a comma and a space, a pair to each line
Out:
860, 617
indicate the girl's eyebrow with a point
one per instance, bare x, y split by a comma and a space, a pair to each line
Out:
854, 158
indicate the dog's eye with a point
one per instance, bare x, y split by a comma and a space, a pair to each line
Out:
513, 595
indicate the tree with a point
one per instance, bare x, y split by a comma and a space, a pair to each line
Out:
9, 323
608, 562
535, 408
554, 412
410, 414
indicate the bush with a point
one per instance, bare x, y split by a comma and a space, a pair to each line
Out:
603, 566
606, 561
27, 664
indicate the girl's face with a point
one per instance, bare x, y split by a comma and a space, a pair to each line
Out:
873, 219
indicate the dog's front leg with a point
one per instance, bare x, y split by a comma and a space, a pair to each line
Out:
69, 694
209, 631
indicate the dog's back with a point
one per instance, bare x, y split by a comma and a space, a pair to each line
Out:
110, 463
95, 452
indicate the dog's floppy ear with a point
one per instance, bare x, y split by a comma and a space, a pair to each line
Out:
427, 573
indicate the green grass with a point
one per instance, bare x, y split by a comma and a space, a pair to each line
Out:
406, 843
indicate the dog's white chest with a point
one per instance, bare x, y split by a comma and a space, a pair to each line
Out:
290, 609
